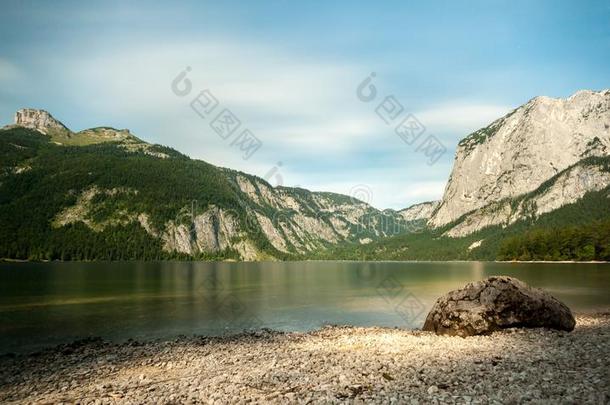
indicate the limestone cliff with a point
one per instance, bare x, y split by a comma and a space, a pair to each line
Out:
39, 120
419, 211
564, 188
517, 153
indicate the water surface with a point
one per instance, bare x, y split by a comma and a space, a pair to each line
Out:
43, 304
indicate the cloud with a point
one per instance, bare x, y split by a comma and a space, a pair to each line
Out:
461, 117
8, 71
327, 134
424, 191
241, 75
306, 113
286, 101
394, 190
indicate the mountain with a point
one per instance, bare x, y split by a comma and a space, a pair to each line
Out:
566, 187
497, 166
103, 193
43, 122
534, 184
576, 231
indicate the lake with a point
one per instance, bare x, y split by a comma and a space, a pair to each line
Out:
43, 304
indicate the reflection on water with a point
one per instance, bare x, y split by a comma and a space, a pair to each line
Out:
50, 303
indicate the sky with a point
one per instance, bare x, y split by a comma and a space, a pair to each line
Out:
289, 72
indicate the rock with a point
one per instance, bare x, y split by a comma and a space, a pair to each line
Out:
493, 304
39, 120
387, 376
538, 365
419, 211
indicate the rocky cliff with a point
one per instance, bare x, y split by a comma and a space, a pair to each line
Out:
566, 187
519, 152
43, 122
40, 120
419, 211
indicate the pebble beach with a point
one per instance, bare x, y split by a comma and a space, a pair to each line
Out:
331, 365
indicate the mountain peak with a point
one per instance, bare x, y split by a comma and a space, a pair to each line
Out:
515, 154
39, 120
582, 96
43, 122
589, 93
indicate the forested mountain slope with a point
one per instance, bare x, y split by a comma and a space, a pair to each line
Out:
105, 194
579, 231
533, 184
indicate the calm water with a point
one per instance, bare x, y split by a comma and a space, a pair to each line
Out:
43, 304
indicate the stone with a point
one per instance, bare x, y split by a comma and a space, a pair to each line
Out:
231, 369
498, 302
39, 120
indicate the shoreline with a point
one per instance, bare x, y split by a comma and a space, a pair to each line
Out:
5, 260
39, 350
333, 364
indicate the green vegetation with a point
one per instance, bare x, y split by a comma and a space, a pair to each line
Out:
40, 180
57, 175
481, 135
82, 202
591, 213
590, 242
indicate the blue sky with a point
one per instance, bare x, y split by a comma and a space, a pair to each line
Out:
289, 72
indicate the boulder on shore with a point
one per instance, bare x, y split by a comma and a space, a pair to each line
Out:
495, 303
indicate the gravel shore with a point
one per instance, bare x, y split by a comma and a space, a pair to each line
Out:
335, 364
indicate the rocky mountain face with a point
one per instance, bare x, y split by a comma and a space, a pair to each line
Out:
43, 122
497, 166
39, 120
567, 187
419, 211
292, 222
189, 207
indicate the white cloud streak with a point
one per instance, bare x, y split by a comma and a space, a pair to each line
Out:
293, 105
461, 117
